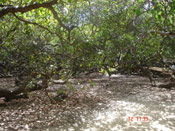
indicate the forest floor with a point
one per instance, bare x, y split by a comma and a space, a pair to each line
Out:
98, 103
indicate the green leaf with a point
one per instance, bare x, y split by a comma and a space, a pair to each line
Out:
140, 1
138, 12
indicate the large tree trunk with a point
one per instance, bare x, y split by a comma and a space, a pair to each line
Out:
18, 92
22, 89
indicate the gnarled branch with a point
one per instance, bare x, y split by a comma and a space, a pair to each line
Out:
58, 19
13, 9
34, 23
163, 33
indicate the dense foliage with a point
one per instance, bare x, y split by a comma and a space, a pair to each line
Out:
74, 36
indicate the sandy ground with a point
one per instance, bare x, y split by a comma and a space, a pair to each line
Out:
97, 104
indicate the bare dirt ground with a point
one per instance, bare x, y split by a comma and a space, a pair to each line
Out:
97, 104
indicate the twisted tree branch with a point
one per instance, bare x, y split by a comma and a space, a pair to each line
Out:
34, 23
163, 33
14, 9
58, 19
